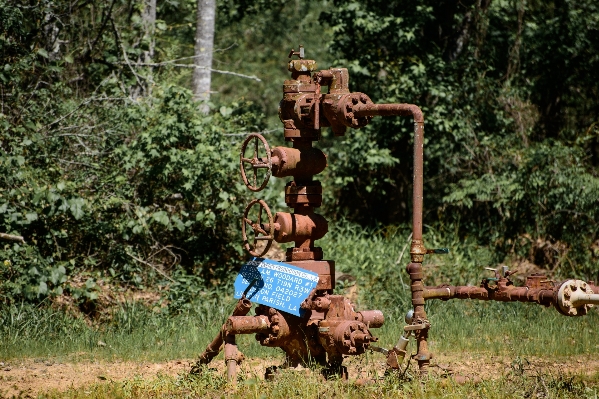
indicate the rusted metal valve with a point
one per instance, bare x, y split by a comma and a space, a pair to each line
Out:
329, 327
261, 232
256, 162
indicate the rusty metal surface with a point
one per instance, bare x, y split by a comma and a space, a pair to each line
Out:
241, 309
300, 163
255, 162
330, 328
570, 297
261, 233
246, 324
296, 227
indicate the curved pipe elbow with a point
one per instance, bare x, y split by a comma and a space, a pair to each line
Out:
413, 110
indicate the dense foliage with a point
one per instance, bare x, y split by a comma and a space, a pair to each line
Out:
109, 171
511, 105
101, 183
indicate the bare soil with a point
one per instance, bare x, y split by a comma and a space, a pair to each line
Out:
33, 376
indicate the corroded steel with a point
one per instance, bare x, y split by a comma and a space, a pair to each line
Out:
330, 328
256, 162
262, 232
243, 307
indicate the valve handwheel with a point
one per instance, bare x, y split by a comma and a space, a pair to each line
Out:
262, 232
255, 161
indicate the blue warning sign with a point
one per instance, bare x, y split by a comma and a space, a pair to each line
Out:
275, 284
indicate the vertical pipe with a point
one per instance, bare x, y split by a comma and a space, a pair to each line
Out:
241, 309
417, 249
423, 356
418, 181
231, 358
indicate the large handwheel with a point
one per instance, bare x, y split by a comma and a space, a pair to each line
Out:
262, 232
255, 161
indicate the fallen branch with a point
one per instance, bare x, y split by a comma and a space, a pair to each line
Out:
169, 63
152, 266
10, 237
246, 133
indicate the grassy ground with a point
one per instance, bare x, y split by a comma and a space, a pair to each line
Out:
514, 329
291, 385
136, 333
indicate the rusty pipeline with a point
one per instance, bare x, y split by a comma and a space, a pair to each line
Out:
330, 328
570, 297
246, 324
417, 249
241, 309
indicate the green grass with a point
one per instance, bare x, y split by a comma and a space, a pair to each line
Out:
140, 334
135, 332
303, 385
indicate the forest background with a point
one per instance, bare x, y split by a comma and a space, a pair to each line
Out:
114, 175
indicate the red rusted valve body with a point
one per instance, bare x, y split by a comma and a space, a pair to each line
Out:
303, 195
300, 163
294, 227
324, 268
339, 110
319, 334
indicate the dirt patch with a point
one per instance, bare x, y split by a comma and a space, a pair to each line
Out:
30, 377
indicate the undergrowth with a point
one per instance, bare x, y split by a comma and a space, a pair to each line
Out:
309, 385
134, 331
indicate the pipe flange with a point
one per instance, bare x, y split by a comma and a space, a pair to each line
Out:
346, 108
352, 337
568, 295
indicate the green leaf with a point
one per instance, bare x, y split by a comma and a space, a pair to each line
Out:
161, 217
76, 207
42, 289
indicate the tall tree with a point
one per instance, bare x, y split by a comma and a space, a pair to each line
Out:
204, 42
149, 22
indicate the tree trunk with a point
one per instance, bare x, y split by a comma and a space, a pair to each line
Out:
149, 21
147, 57
204, 42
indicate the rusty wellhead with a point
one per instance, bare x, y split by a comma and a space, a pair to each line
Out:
327, 327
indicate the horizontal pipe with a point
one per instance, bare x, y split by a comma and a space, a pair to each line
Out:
579, 298
361, 110
509, 293
372, 318
246, 324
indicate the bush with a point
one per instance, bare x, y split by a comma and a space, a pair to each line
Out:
142, 188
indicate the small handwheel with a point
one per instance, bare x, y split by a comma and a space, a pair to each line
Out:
261, 231
255, 161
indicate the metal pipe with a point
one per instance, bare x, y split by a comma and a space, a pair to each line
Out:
241, 309
231, 358
417, 249
372, 318
501, 293
361, 110
579, 298
246, 324
423, 356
